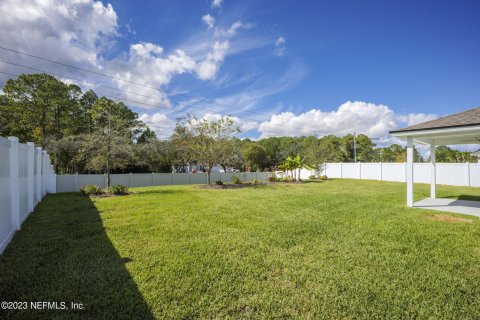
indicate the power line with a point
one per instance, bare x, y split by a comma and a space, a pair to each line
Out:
126, 91
113, 88
124, 80
128, 81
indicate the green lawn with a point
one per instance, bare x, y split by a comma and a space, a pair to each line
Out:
338, 249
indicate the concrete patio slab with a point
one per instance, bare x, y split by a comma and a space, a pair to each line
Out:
450, 205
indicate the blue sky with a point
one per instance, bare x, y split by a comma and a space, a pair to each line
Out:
280, 67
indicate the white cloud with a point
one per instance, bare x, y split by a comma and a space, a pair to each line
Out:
146, 63
264, 87
208, 68
216, 3
232, 30
415, 118
279, 47
82, 32
158, 122
208, 20
374, 120
280, 41
70, 31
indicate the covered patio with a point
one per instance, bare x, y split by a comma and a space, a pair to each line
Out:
456, 129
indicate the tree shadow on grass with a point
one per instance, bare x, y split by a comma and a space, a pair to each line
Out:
63, 254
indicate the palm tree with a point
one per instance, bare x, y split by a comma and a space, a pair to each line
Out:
300, 164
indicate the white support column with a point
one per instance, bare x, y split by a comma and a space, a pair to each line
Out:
410, 171
14, 184
433, 171
39, 174
30, 174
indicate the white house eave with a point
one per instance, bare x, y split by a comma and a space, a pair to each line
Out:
445, 136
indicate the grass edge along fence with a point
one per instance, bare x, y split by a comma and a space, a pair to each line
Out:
26, 176
73, 182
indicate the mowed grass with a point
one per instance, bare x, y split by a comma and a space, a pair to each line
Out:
339, 249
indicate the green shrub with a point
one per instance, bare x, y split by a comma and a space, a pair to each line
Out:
236, 180
117, 189
323, 177
91, 190
285, 179
313, 177
218, 183
255, 181
272, 178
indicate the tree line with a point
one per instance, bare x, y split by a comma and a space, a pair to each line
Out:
86, 133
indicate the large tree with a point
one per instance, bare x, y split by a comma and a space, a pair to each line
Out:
110, 145
38, 107
208, 142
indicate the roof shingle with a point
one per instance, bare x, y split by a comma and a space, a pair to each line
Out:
466, 118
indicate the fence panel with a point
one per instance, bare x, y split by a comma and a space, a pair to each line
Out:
162, 179
181, 178
216, 176
474, 171
422, 172
141, 180
333, 170
36, 195
199, 178
84, 179
393, 172
66, 183
451, 173
371, 171
123, 179
263, 176
6, 223
21, 181
350, 171
226, 177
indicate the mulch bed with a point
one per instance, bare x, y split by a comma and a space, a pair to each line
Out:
230, 186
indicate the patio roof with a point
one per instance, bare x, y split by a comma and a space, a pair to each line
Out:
459, 128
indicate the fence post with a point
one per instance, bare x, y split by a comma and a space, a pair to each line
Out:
341, 170
30, 174
52, 179
152, 178
467, 169
14, 184
76, 186
38, 150
44, 173
360, 170
381, 171
130, 180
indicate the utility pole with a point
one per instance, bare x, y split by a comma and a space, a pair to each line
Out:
354, 147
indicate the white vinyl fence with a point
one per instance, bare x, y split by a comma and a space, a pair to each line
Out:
26, 176
455, 174
73, 182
